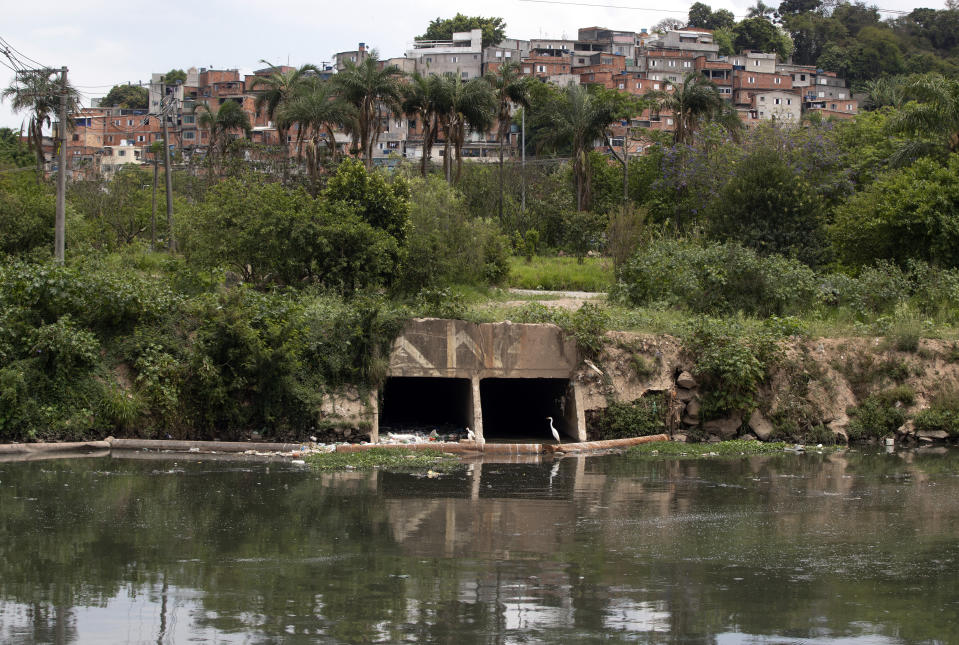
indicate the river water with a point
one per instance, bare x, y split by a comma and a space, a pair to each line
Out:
855, 547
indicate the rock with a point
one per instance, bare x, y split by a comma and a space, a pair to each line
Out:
679, 438
908, 428
713, 439
838, 427
693, 408
932, 435
760, 425
690, 421
726, 428
685, 395
686, 380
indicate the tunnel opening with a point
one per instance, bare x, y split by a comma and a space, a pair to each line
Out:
515, 409
415, 403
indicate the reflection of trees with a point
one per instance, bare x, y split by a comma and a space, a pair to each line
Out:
671, 549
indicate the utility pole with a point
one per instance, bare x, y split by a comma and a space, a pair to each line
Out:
59, 237
165, 111
523, 157
153, 215
626, 166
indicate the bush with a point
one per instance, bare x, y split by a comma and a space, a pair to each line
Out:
731, 363
878, 416
712, 278
942, 414
639, 418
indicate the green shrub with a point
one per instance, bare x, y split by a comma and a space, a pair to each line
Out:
942, 413
731, 363
879, 415
639, 418
712, 278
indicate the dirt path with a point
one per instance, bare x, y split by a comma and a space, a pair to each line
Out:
562, 299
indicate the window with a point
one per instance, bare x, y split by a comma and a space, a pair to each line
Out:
129, 121
822, 95
822, 81
849, 107
789, 101
756, 63
802, 77
122, 153
141, 138
842, 95
777, 80
672, 63
655, 86
464, 74
779, 101
454, 59
189, 119
639, 86
687, 63
762, 99
117, 123
832, 106
751, 79
76, 137
429, 59
541, 68
622, 86
109, 138
188, 135
669, 121
509, 54
527, 70
499, 54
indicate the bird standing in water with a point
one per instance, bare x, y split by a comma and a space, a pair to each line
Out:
552, 429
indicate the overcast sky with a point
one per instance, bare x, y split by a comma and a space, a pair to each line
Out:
104, 43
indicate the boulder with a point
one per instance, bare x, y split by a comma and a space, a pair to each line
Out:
686, 380
760, 425
685, 395
690, 421
908, 428
679, 438
932, 435
725, 428
838, 427
693, 408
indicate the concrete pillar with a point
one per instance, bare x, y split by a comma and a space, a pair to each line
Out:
374, 417
575, 416
476, 416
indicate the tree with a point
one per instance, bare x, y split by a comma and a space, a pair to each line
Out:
667, 24
317, 111
758, 34
702, 16
223, 125
12, 149
422, 98
762, 10
931, 118
130, 97
174, 75
509, 89
380, 203
694, 102
905, 213
374, 93
770, 208
573, 117
276, 90
38, 92
463, 104
494, 29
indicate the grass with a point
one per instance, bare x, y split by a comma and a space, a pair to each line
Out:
735, 447
561, 273
397, 459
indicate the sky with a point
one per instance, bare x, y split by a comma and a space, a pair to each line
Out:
106, 43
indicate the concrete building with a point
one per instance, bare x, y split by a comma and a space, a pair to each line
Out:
462, 56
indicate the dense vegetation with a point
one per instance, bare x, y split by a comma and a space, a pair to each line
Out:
291, 279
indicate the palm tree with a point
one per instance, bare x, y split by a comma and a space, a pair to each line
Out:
510, 89
222, 124
38, 91
573, 117
930, 118
317, 111
279, 88
422, 98
693, 103
375, 93
463, 104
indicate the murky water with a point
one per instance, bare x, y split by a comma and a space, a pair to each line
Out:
853, 548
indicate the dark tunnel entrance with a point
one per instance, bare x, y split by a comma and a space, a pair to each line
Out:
426, 403
515, 409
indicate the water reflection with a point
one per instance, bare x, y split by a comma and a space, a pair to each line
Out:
854, 547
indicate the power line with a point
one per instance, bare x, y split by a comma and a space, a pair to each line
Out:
6, 44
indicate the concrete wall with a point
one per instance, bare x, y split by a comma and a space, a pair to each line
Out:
434, 347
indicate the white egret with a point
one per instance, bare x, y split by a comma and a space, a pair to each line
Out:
470, 434
552, 429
